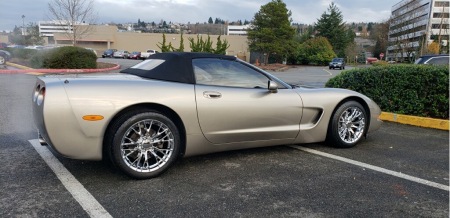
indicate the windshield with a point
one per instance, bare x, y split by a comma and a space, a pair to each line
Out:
337, 60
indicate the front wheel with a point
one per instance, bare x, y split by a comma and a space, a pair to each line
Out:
348, 125
144, 144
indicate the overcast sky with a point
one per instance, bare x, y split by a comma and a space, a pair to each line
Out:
183, 11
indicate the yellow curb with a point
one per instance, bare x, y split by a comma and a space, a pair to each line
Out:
23, 68
415, 121
18, 66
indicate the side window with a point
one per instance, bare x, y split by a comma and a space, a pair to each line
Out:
438, 61
216, 72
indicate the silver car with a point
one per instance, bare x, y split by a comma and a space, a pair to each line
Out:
184, 104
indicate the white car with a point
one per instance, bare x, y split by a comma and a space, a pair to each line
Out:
146, 54
121, 54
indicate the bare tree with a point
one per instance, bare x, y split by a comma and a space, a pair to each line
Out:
76, 15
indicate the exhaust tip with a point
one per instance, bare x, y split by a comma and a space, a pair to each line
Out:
42, 140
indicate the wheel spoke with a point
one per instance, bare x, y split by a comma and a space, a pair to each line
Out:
147, 145
351, 124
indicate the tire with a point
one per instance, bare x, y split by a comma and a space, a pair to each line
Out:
347, 125
2, 60
143, 144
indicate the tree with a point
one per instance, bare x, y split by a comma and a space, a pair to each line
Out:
74, 14
221, 46
433, 48
380, 34
163, 46
201, 45
210, 20
32, 36
181, 48
272, 32
331, 26
316, 50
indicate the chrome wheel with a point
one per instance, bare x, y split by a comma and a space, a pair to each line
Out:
351, 124
347, 125
2, 60
147, 145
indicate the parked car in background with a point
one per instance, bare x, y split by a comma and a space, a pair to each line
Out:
4, 56
135, 55
108, 53
337, 63
121, 54
91, 49
433, 59
146, 54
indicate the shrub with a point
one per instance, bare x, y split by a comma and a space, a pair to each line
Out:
317, 51
379, 63
21, 53
418, 90
67, 57
70, 58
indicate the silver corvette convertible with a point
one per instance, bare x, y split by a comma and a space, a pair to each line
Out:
184, 104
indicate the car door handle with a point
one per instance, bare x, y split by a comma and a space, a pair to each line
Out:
211, 94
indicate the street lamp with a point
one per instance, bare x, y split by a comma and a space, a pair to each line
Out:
23, 25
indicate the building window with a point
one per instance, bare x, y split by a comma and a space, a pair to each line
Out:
440, 15
438, 26
442, 4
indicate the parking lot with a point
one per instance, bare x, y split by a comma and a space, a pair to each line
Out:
398, 171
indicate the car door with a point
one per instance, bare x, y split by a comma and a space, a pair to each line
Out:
235, 105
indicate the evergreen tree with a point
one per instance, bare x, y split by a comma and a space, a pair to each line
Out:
331, 26
210, 20
163, 46
272, 32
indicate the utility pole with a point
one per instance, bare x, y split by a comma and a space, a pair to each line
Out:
23, 25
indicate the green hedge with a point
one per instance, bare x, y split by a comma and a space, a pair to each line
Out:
67, 57
418, 90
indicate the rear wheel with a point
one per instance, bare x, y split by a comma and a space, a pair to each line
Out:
144, 144
348, 125
2, 60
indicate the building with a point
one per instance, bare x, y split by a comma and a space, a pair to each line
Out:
102, 37
240, 30
49, 28
414, 25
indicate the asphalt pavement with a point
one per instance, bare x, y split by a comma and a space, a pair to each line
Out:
392, 173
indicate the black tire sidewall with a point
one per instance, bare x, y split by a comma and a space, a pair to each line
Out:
333, 137
123, 124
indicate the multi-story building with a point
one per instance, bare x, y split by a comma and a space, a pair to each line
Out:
414, 25
49, 28
240, 30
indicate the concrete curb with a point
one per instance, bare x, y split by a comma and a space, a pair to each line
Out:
415, 121
24, 69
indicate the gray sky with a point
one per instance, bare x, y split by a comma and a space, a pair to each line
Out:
183, 11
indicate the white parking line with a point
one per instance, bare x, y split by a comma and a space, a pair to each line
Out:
328, 72
81, 195
368, 166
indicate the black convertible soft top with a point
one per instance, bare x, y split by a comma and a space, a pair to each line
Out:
175, 66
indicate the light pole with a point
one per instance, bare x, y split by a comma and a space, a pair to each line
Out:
23, 25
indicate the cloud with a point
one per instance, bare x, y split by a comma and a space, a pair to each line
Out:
304, 11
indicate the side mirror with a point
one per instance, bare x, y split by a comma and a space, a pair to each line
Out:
272, 86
